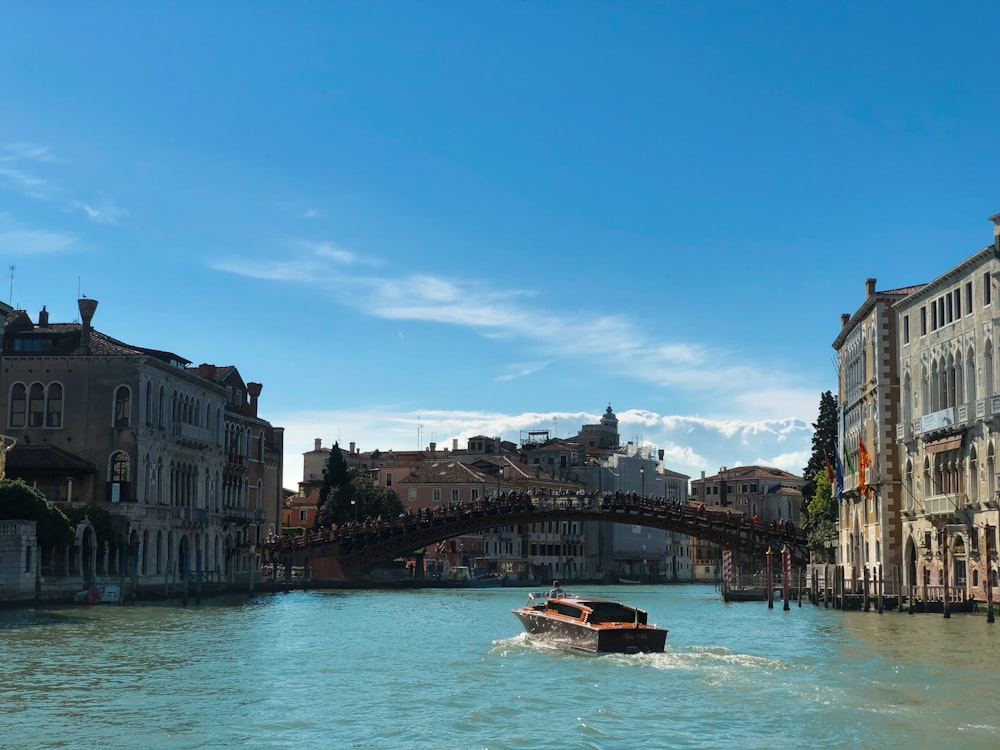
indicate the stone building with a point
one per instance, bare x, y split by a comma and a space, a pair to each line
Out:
948, 427
177, 455
870, 529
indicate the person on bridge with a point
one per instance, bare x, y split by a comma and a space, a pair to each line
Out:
556, 591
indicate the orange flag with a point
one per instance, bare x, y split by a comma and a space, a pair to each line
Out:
864, 460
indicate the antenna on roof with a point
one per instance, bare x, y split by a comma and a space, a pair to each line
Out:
12, 286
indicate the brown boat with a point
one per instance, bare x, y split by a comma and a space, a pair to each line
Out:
593, 626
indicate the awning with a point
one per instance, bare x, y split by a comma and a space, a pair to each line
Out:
944, 444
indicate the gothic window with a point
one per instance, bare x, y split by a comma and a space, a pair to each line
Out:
149, 408
18, 405
54, 406
119, 467
36, 405
123, 406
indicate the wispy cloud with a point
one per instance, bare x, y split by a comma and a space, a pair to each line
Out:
520, 370
103, 210
25, 152
24, 241
551, 333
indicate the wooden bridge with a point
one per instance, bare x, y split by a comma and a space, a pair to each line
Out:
351, 549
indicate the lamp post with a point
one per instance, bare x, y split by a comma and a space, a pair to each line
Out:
499, 475
642, 478
354, 507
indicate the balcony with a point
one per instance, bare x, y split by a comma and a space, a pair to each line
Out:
938, 421
944, 505
191, 436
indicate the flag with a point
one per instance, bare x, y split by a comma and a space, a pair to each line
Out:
848, 462
442, 547
863, 460
840, 478
829, 469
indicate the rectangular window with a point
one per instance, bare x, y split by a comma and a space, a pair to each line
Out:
454, 496
303, 516
987, 290
957, 294
923, 321
941, 312
475, 494
388, 480
934, 316
968, 296
412, 495
906, 329
436, 494
950, 311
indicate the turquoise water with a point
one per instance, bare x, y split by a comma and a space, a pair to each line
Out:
451, 669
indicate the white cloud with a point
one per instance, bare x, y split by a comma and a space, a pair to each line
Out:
690, 444
25, 152
23, 241
104, 210
550, 333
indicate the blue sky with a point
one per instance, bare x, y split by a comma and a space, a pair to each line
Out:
414, 222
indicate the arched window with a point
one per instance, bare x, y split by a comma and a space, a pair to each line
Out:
54, 406
149, 408
123, 406
36, 405
17, 414
161, 405
119, 466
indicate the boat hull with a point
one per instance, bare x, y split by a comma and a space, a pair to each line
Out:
625, 638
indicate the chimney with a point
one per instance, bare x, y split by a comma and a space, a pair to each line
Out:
43, 318
844, 318
317, 444
351, 445
206, 371
433, 448
660, 453
869, 287
87, 309
254, 390
454, 444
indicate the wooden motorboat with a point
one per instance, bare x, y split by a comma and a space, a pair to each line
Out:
593, 626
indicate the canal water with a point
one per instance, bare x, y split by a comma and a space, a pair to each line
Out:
448, 669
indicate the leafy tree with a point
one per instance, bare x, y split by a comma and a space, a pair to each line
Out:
21, 501
824, 444
823, 520
347, 494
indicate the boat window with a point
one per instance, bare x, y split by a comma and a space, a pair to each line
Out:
610, 612
564, 609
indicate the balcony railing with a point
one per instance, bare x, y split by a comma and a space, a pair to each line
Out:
939, 505
189, 434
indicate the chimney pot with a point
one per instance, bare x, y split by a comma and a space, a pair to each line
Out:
317, 443
869, 287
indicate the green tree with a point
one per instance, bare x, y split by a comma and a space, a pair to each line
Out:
824, 444
333, 497
21, 501
357, 498
824, 520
